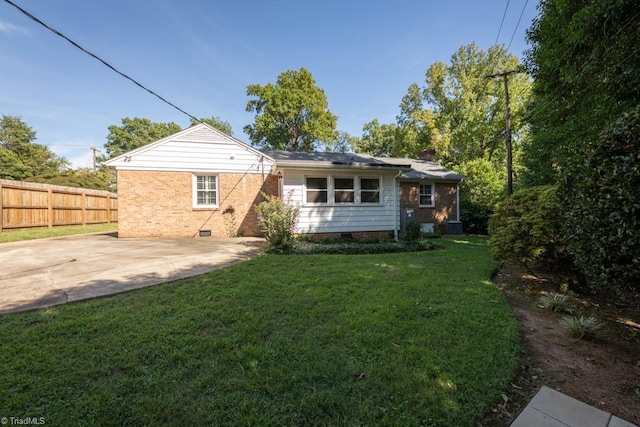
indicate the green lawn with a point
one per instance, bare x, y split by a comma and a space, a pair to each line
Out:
418, 338
41, 233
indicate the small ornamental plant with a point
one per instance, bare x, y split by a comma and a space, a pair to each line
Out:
277, 219
582, 326
557, 303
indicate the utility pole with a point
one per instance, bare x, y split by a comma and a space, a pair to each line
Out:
507, 114
94, 149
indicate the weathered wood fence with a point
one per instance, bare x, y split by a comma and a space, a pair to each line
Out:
29, 204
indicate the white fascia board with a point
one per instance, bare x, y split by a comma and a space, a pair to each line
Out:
306, 165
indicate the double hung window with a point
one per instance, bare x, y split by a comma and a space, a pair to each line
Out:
342, 190
369, 190
205, 191
317, 190
426, 195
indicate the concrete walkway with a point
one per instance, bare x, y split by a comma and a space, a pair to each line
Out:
42, 273
550, 408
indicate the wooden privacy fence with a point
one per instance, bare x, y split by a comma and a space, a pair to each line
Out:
28, 205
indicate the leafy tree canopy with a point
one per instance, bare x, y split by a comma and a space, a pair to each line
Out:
216, 122
20, 156
460, 111
134, 133
585, 124
83, 178
292, 114
378, 140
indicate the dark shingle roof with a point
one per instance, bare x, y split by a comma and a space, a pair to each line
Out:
413, 169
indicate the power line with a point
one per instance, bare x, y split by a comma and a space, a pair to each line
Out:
518, 24
502, 22
58, 33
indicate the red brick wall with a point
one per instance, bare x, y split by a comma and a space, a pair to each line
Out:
160, 204
445, 203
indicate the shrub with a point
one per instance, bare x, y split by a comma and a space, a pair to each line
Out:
557, 303
582, 326
475, 217
413, 230
527, 228
277, 220
354, 247
601, 198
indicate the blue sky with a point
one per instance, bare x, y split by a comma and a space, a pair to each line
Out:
202, 55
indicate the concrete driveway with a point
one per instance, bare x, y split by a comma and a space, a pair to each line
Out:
42, 273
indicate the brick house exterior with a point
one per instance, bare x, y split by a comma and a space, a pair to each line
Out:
202, 182
164, 209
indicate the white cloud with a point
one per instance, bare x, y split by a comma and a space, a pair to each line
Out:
9, 28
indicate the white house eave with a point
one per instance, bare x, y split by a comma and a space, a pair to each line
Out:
284, 164
180, 136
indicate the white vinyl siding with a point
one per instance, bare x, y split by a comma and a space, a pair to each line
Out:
336, 217
193, 150
205, 191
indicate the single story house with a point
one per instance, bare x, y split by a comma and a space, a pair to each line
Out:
202, 182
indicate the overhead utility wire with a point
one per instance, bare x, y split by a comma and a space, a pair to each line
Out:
502, 22
58, 33
518, 24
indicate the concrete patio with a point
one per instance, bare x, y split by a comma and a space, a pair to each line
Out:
550, 408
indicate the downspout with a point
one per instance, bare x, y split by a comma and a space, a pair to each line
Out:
458, 201
396, 196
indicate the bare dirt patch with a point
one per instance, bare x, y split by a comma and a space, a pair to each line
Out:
603, 372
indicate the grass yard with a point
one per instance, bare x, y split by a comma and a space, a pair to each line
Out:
41, 233
418, 338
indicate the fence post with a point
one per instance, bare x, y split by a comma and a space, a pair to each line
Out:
50, 207
1, 208
108, 196
84, 208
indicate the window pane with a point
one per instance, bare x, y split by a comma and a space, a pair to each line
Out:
344, 196
206, 193
369, 184
370, 197
426, 198
344, 183
317, 183
317, 196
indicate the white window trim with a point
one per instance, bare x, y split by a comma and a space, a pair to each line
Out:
333, 189
433, 195
357, 190
194, 189
305, 189
380, 182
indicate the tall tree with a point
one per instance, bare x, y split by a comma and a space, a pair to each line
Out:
378, 139
216, 122
461, 111
134, 133
291, 115
20, 156
585, 119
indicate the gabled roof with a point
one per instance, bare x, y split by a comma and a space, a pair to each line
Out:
331, 160
425, 169
413, 169
183, 134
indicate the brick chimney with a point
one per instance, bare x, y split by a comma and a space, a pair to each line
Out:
428, 154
